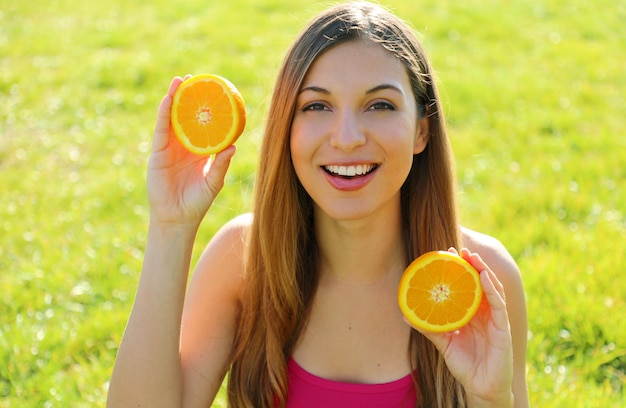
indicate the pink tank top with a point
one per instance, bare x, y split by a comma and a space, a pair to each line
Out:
306, 390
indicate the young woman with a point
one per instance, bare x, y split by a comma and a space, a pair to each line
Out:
298, 301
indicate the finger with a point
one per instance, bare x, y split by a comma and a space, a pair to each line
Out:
475, 260
218, 168
453, 250
465, 254
497, 283
174, 84
162, 126
495, 298
440, 340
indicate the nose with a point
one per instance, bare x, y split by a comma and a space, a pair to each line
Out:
346, 134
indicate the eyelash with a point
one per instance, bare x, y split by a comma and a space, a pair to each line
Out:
382, 106
317, 106
314, 106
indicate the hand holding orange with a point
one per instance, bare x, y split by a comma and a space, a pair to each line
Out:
208, 114
439, 292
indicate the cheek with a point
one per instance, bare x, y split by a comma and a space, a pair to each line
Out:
403, 165
402, 151
299, 149
306, 137
401, 141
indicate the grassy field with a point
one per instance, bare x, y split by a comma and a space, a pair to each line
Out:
535, 94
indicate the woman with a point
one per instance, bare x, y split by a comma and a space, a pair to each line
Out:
298, 301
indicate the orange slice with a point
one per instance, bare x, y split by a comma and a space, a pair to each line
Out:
208, 114
439, 292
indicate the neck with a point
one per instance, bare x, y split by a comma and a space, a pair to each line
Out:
360, 252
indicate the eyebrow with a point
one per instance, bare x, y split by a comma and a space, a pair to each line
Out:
315, 89
382, 87
375, 89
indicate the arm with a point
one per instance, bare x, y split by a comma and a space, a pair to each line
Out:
148, 369
210, 313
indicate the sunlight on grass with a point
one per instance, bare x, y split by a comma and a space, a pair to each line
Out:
535, 96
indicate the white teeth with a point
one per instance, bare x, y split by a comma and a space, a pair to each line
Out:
350, 171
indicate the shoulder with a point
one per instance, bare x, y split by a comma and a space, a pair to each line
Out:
222, 261
492, 251
235, 228
231, 238
500, 261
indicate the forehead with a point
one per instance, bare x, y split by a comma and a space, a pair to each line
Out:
354, 62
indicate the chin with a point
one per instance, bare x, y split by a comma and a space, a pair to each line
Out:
344, 213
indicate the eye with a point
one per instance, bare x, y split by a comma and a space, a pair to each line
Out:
382, 105
314, 106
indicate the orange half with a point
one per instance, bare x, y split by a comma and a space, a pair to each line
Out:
439, 292
208, 114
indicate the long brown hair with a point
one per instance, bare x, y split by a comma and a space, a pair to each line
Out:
281, 263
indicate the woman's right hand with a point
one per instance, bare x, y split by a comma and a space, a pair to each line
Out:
181, 186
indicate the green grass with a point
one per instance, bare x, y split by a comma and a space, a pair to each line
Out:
535, 97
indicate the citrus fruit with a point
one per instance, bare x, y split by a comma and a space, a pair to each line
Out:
439, 292
208, 114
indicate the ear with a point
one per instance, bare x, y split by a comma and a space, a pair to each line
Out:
421, 137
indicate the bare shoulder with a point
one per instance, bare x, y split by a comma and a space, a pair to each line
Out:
224, 254
493, 253
235, 228
232, 236
500, 261
220, 268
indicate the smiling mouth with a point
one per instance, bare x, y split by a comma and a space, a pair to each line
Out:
358, 170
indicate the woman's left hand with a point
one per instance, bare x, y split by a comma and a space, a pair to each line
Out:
480, 354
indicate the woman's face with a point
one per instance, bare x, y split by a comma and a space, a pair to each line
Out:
355, 131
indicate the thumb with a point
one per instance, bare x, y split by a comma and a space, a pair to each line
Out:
440, 340
216, 169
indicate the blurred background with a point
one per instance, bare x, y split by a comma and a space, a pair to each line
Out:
535, 97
